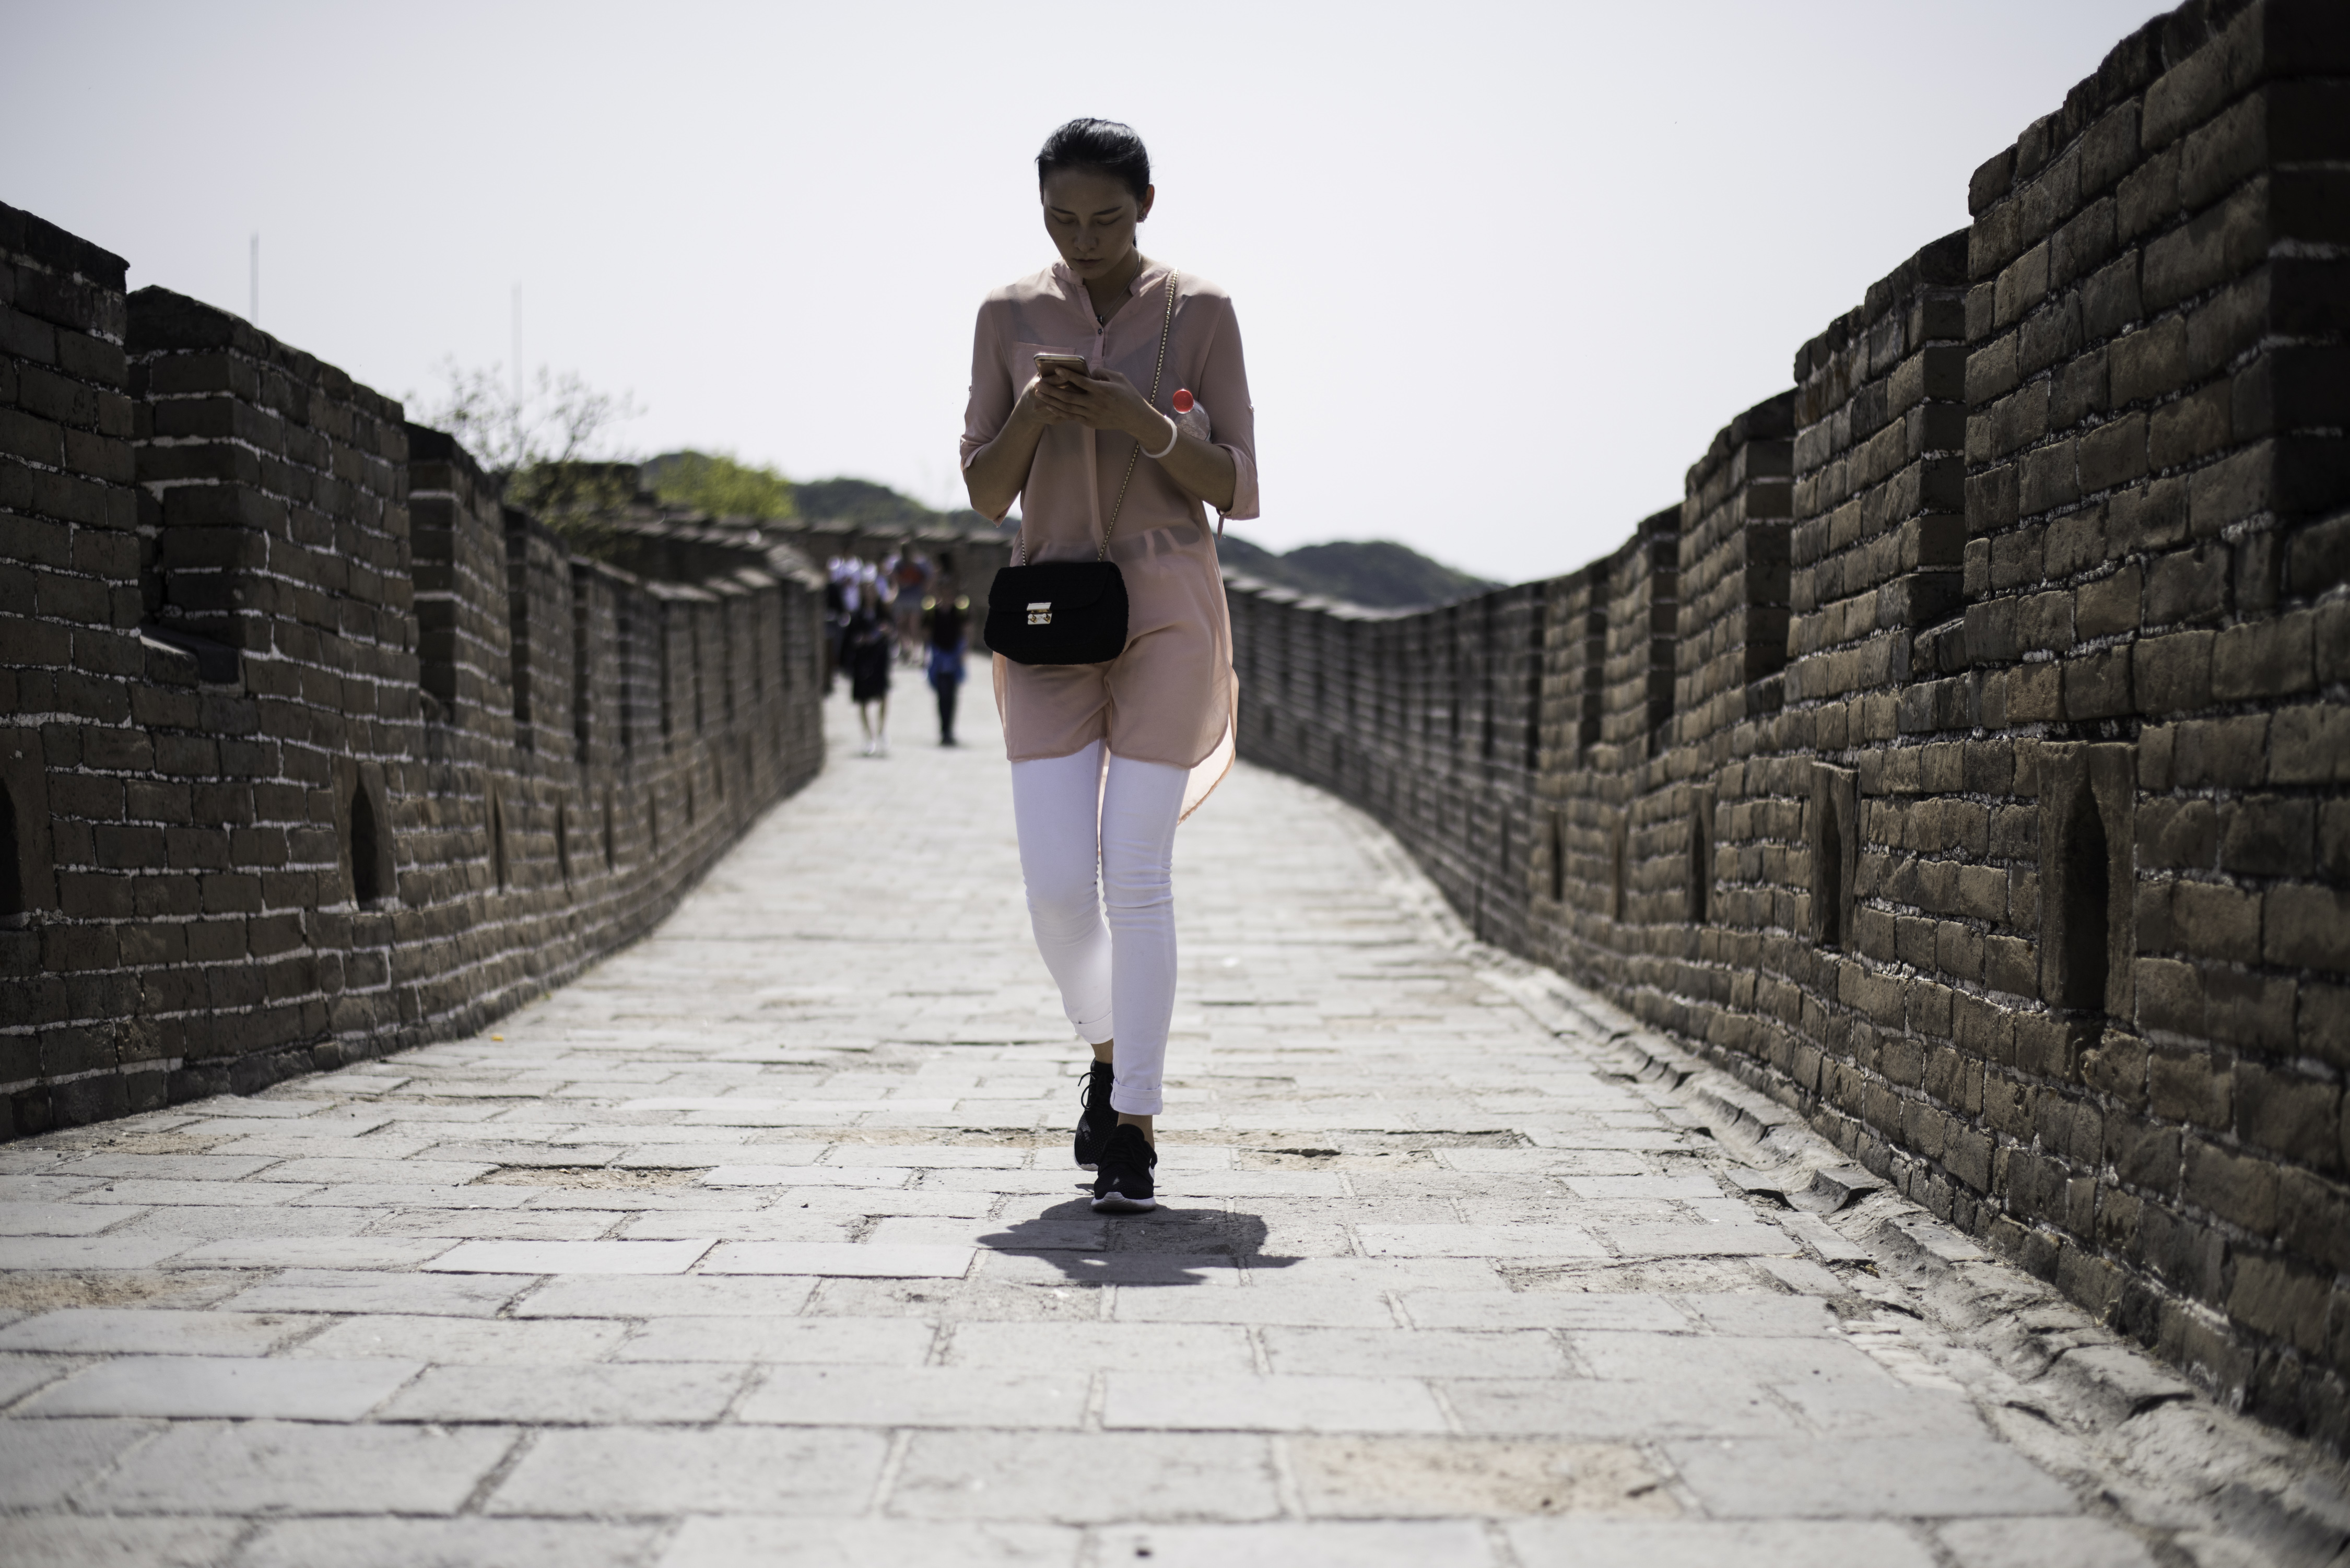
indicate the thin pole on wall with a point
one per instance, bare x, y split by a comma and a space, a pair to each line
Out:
253, 278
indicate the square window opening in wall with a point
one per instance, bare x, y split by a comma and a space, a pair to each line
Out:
11, 870
1619, 867
366, 888
498, 869
2088, 904
1557, 858
28, 881
1701, 855
1834, 840
367, 837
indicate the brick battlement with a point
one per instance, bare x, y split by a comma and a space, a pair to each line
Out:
1966, 761
309, 748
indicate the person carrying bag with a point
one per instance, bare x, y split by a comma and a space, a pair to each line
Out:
1072, 612
1114, 671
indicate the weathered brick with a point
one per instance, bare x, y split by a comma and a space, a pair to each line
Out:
2268, 836
2188, 584
2312, 744
2290, 1114
2096, 685
2274, 1297
2212, 919
2239, 1190
2149, 363
2307, 927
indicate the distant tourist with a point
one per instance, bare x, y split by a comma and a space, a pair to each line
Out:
909, 577
1159, 716
838, 579
949, 636
866, 651
846, 584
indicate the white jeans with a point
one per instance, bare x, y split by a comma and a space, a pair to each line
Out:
1086, 840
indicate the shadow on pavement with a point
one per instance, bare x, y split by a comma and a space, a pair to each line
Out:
1169, 1246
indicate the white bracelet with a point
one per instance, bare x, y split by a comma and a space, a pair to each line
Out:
1174, 434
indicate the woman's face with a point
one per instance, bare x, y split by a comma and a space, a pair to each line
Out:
1091, 216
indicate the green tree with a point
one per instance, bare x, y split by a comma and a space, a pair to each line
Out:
721, 484
549, 448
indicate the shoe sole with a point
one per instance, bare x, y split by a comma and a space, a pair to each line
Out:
1118, 1203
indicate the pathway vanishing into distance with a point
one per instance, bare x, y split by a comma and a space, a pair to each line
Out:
761, 1244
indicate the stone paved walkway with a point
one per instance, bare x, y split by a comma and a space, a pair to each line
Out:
761, 1244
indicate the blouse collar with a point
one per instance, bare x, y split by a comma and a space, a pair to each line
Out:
1075, 289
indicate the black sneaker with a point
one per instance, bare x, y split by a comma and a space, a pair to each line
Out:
1123, 1186
1094, 1118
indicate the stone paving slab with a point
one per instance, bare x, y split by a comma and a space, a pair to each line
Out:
759, 1243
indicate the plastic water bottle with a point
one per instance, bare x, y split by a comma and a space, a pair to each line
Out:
1191, 417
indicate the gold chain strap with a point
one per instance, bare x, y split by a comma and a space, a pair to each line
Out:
1020, 540
1160, 372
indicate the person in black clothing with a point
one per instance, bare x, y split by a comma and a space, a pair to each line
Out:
869, 645
949, 614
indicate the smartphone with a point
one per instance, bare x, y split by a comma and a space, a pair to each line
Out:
1074, 364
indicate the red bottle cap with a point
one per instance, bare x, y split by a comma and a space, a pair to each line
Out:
1183, 399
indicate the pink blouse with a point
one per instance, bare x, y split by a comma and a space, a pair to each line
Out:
1169, 697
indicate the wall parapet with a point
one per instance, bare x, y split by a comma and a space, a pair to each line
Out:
309, 748
1966, 761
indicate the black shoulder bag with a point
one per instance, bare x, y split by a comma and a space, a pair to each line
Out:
1069, 612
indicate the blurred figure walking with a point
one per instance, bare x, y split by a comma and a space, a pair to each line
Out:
950, 618
868, 644
839, 579
909, 576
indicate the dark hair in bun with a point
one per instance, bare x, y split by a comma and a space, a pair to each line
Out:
1103, 144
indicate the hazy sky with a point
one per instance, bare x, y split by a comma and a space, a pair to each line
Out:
1502, 269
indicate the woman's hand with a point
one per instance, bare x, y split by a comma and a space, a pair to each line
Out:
1032, 408
1107, 402
994, 476
1110, 402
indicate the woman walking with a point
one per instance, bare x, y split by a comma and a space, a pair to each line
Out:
1107, 757
869, 645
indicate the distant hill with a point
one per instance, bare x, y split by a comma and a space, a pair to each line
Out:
734, 487
874, 505
1378, 573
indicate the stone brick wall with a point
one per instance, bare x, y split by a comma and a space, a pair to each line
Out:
309, 749
1966, 761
